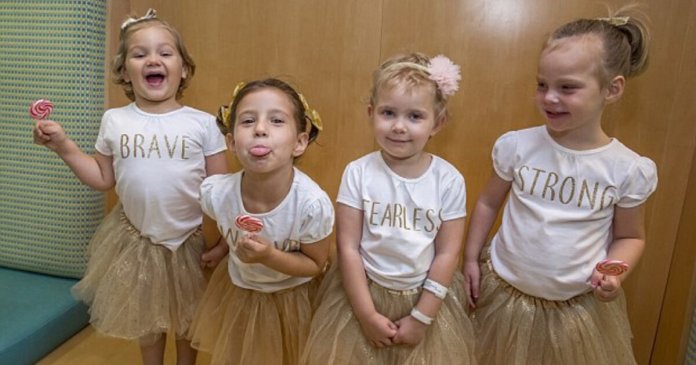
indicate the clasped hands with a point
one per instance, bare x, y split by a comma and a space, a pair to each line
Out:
382, 332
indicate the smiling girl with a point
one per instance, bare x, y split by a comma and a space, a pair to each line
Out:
575, 197
144, 275
396, 297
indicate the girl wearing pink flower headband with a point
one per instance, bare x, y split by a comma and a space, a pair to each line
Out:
396, 296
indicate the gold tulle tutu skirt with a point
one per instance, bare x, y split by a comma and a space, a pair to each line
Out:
242, 326
516, 328
137, 289
336, 336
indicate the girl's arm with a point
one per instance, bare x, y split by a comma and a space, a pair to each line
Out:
628, 244
216, 164
96, 171
448, 244
378, 329
310, 261
482, 219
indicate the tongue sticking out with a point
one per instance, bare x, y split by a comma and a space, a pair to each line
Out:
259, 151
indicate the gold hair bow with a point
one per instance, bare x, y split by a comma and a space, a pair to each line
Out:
150, 14
616, 20
312, 114
226, 110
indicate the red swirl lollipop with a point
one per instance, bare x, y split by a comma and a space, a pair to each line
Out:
612, 267
248, 223
40, 109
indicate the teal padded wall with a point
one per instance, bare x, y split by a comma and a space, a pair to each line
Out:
52, 50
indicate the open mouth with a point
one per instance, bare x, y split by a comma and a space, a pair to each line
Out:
554, 115
154, 79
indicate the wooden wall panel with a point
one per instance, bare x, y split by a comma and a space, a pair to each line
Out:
329, 48
661, 115
678, 306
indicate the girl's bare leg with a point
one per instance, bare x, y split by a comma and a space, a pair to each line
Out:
152, 352
185, 354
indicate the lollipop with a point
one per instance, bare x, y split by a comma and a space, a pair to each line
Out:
40, 109
248, 223
612, 267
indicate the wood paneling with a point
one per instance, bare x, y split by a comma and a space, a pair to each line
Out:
678, 305
329, 48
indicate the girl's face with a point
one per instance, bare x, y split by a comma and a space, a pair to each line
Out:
154, 68
569, 93
265, 136
403, 120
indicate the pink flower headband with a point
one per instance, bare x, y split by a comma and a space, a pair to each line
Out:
442, 71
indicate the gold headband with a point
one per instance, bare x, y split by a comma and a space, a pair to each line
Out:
226, 110
150, 14
312, 114
615, 20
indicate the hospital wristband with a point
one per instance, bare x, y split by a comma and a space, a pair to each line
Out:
436, 288
420, 317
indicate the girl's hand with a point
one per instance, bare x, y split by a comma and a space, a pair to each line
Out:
253, 249
472, 279
606, 287
211, 258
50, 134
379, 330
410, 332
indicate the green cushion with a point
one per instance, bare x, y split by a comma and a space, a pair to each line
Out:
48, 50
37, 313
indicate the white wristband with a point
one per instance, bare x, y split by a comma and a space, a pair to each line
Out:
436, 288
420, 317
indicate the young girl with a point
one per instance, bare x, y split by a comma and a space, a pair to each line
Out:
144, 273
576, 198
256, 309
400, 224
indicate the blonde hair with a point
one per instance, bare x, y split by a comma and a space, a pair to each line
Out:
120, 59
625, 41
409, 70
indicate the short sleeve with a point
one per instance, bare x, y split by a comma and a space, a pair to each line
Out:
214, 141
349, 192
317, 221
503, 155
454, 198
101, 145
206, 197
640, 183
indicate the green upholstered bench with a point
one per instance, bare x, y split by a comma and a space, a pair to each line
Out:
37, 313
52, 50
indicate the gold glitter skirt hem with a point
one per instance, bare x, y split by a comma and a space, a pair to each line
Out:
242, 326
336, 336
137, 289
515, 328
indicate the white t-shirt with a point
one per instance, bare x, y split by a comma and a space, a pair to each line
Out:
401, 216
304, 216
557, 222
159, 164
